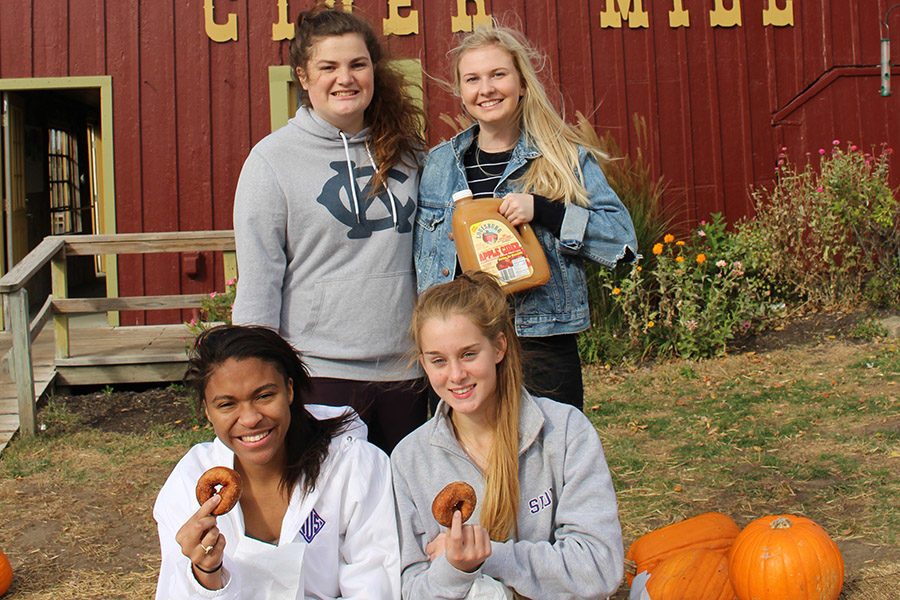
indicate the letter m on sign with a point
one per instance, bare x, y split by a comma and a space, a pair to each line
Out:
619, 10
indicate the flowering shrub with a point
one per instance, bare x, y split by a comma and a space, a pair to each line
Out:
828, 232
826, 235
215, 309
692, 302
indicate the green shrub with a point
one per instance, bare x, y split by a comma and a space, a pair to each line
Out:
827, 234
215, 309
642, 195
693, 302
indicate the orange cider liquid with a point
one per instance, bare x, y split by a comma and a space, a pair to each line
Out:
486, 241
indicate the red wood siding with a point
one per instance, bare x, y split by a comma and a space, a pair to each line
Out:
718, 102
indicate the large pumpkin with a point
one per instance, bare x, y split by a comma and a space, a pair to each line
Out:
711, 530
692, 575
785, 556
5, 573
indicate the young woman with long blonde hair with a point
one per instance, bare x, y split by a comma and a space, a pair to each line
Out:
548, 174
546, 523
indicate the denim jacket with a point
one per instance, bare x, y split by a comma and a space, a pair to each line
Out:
602, 232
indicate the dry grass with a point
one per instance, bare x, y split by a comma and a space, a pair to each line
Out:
813, 430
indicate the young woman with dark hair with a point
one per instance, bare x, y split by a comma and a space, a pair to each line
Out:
316, 515
546, 523
323, 216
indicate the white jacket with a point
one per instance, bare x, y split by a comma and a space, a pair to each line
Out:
340, 541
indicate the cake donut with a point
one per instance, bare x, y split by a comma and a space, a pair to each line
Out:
229, 481
456, 496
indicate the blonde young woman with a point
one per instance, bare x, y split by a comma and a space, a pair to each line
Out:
521, 150
546, 522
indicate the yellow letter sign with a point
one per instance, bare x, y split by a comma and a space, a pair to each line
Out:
461, 21
679, 16
396, 24
613, 15
219, 32
779, 17
722, 17
282, 29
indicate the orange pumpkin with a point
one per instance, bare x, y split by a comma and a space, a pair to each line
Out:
785, 556
5, 573
711, 530
692, 575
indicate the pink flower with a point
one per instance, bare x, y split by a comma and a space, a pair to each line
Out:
853, 148
214, 294
701, 233
784, 148
835, 142
888, 150
721, 263
231, 282
820, 189
193, 321
821, 150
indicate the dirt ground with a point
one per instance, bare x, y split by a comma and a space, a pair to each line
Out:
133, 550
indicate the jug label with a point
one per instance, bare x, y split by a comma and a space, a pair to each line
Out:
499, 251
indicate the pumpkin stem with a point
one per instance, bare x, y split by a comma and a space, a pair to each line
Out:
781, 523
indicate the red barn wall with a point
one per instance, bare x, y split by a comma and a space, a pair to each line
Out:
719, 102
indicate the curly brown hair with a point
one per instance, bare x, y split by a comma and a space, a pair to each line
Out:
396, 123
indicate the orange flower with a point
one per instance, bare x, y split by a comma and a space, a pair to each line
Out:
669, 238
679, 243
650, 324
701, 258
679, 259
616, 291
657, 248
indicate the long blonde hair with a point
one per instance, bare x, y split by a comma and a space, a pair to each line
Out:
556, 174
478, 297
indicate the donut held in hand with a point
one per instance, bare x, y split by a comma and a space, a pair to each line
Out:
456, 496
229, 481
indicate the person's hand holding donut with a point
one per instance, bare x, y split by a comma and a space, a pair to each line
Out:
204, 545
437, 546
467, 546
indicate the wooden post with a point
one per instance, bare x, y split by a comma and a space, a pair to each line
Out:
60, 290
229, 264
22, 368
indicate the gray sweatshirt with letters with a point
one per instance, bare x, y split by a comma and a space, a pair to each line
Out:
569, 544
321, 260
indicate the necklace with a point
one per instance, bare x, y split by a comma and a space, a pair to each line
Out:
478, 458
494, 169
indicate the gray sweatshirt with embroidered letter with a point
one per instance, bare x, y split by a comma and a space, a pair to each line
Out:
320, 259
569, 543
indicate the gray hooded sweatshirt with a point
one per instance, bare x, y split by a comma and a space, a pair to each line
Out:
569, 544
321, 260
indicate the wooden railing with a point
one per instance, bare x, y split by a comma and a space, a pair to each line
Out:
58, 306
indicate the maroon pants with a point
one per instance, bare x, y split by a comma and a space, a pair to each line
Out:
390, 409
